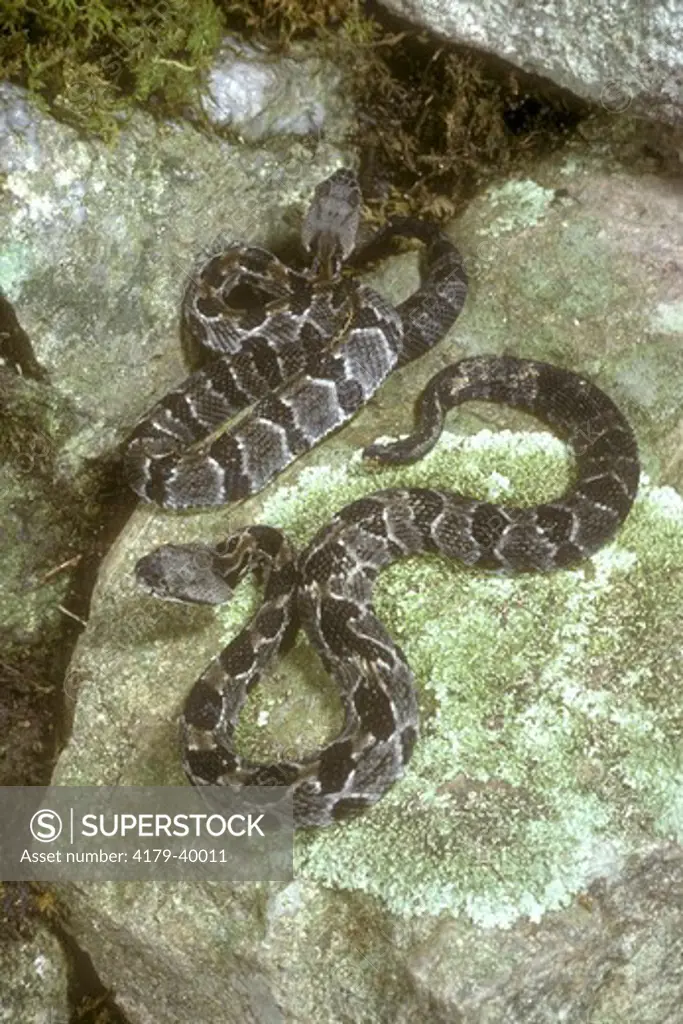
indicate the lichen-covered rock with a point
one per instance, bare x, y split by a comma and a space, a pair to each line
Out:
34, 981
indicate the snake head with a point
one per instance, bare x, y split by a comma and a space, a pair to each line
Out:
187, 573
331, 224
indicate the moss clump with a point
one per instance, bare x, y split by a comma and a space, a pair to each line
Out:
286, 19
439, 123
88, 58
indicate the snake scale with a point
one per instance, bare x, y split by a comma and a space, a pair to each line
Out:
292, 356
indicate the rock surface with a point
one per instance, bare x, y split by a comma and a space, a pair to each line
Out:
34, 981
258, 96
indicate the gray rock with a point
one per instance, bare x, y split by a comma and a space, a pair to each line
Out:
623, 55
34, 981
260, 96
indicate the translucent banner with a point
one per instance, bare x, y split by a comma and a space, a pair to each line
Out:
146, 833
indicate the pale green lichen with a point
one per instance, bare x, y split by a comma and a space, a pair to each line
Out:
551, 727
668, 317
517, 205
13, 260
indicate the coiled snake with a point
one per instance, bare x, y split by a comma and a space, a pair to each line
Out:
304, 351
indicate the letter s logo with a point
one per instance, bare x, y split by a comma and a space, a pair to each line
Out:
46, 826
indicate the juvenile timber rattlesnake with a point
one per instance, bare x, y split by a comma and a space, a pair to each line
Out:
307, 350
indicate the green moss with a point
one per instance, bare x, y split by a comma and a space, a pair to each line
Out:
551, 722
285, 19
89, 59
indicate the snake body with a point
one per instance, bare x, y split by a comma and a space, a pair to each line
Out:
302, 352
306, 352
